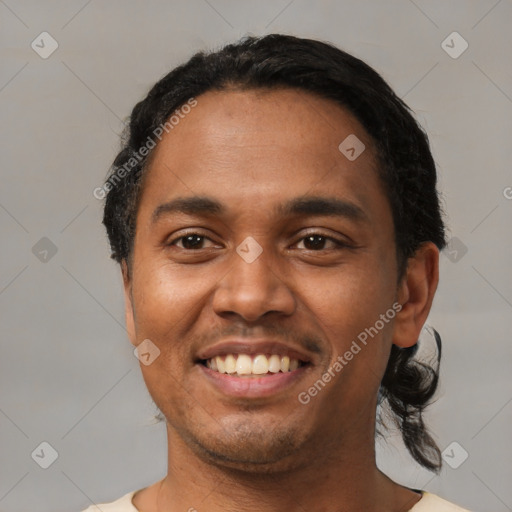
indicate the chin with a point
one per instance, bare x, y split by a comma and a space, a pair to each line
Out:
247, 447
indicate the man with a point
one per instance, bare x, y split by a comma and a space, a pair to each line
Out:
275, 215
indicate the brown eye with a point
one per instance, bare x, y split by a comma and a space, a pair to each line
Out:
317, 242
190, 242
314, 242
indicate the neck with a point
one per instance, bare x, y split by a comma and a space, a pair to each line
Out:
339, 477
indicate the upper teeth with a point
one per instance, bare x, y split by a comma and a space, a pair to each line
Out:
259, 364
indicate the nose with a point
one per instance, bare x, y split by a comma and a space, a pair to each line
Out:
253, 289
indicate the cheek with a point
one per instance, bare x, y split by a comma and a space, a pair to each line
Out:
167, 305
347, 306
165, 299
346, 300
166, 308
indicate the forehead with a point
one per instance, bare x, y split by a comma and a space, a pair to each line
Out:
253, 149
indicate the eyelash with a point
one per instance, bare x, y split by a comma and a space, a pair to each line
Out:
339, 244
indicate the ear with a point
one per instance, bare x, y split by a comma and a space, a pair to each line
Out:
128, 303
415, 294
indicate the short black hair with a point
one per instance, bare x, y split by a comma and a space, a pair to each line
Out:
405, 166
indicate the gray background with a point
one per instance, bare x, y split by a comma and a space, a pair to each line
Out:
68, 374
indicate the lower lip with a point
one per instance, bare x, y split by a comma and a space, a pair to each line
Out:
253, 387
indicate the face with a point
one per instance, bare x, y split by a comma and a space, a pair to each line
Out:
258, 240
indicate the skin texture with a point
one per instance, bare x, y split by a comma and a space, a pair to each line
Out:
251, 151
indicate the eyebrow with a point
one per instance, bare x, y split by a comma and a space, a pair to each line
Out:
306, 205
195, 205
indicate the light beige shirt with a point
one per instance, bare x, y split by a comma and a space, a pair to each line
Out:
428, 503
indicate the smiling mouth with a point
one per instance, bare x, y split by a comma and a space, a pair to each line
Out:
257, 365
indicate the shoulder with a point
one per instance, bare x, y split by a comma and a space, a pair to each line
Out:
123, 504
432, 503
